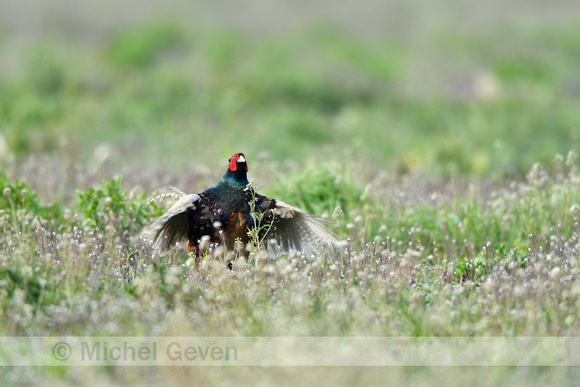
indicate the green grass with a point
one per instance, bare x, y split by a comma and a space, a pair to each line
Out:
447, 158
421, 260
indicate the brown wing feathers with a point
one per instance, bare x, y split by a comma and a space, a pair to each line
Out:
296, 230
172, 227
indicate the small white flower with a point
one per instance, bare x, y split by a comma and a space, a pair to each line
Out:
204, 243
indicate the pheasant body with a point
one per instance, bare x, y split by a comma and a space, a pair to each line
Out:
227, 209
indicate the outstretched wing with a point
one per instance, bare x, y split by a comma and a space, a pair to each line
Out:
296, 230
172, 227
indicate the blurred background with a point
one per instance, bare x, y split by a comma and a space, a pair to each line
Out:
438, 87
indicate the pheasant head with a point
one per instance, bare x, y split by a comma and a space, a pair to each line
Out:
237, 172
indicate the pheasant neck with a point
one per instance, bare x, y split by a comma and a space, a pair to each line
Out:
238, 177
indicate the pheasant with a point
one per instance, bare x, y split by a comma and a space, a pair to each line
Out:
231, 207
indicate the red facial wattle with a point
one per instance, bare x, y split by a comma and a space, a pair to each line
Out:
233, 164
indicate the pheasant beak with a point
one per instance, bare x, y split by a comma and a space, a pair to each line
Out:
241, 159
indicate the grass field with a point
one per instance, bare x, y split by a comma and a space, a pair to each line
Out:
441, 139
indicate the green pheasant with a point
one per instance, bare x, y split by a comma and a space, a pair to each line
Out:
226, 212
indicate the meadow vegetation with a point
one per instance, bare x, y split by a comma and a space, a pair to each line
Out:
451, 173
